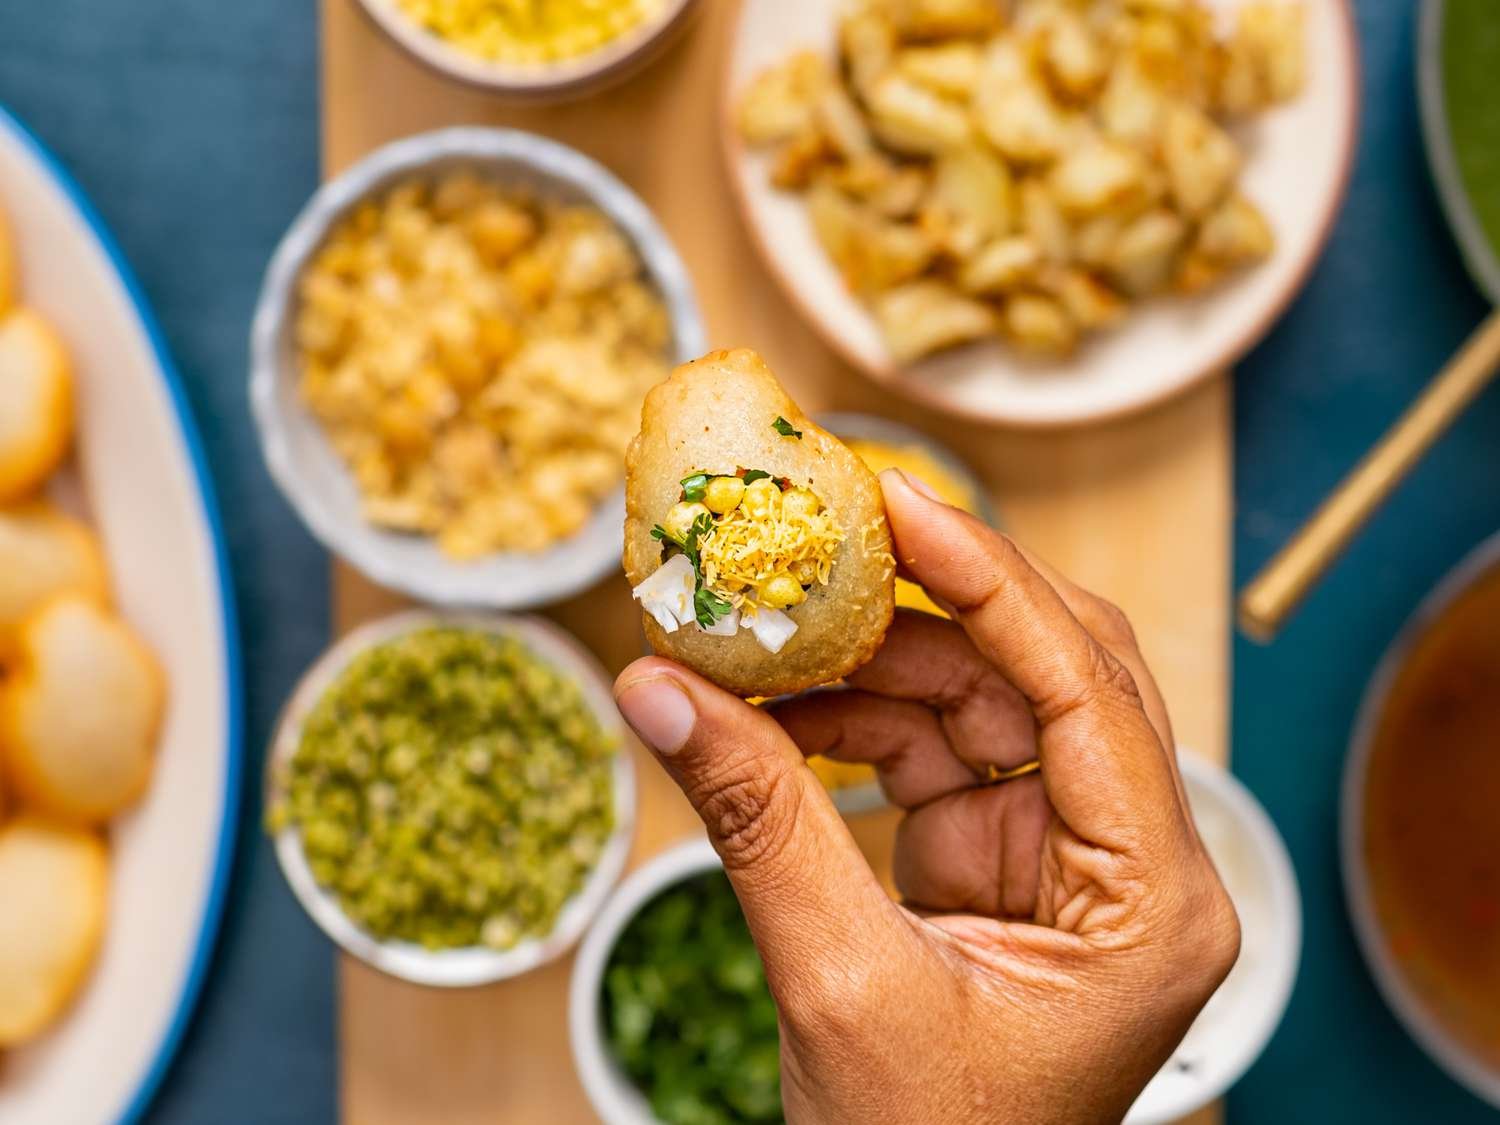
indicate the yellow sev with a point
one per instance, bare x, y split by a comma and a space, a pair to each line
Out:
745, 552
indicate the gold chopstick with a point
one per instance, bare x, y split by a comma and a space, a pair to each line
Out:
1267, 601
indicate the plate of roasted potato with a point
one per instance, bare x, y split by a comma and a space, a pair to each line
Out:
1041, 212
118, 676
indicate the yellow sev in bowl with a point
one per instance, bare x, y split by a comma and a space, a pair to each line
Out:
530, 31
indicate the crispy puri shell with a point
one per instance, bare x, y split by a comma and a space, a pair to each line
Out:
715, 415
36, 402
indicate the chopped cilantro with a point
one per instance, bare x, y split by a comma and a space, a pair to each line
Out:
784, 428
750, 476
708, 607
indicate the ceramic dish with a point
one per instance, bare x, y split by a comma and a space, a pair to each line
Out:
141, 470
1298, 163
457, 968
310, 473
1228, 1037
1441, 1045
565, 78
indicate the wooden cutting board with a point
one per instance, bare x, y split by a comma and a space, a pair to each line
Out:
1139, 511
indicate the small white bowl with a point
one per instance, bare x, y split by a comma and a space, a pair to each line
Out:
1239, 1019
554, 81
1298, 158
303, 463
1455, 1057
1243, 1014
457, 968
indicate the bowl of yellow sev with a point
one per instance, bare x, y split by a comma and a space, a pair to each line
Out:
532, 49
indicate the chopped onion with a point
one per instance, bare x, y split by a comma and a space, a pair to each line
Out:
725, 626
772, 628
667, 594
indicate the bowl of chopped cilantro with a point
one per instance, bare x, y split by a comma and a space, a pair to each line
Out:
670, 1017
450, 796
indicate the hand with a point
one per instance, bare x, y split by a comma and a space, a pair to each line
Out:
1059, 931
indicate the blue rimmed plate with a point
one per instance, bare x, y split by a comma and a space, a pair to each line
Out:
141, 469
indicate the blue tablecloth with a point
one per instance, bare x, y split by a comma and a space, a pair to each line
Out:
193, 125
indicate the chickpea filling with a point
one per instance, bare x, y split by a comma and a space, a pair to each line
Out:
760, 542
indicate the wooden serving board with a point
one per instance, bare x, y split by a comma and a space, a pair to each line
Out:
1138, 510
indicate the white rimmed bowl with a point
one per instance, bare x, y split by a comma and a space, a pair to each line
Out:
1245, 1011
303, 463
551, 81
1441, 1045
1240, 1018
1297, 166
457, 968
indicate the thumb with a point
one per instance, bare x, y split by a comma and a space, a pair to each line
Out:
811, 900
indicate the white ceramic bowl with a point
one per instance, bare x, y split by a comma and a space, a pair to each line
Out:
1441, 1045
303, 463
1299, 156
553, 81
457, 968
1246, 1010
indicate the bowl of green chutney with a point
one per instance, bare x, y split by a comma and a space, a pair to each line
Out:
451, 796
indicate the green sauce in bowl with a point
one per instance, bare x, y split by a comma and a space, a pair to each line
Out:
1471, 90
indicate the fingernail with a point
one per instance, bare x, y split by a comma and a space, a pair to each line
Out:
917, 484
659, 711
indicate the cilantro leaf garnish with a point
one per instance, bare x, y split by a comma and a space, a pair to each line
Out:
693, 487
750, 476
708, 607
784, 428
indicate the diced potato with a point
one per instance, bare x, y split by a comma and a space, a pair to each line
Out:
867, 41
952, 69
1200, 158
1145, 251
1043, 221
1074, 59
1274, 37
800, 159
1094, 239
925, 316
896, 191
1131, 108
910, 118
941, 19
779, 103
1000, 266
1015, 111
1235, 232
971, 199
1039, 324
1088, 301
871, 252
843, 124
1099, 175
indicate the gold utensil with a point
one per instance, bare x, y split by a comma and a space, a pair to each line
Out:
1272, 595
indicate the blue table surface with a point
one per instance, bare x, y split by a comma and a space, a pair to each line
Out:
193, 125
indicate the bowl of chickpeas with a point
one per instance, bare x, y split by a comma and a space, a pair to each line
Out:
537, 50
448, 358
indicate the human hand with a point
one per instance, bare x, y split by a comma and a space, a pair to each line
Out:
1059, 931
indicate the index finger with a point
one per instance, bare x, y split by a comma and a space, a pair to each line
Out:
1105, 770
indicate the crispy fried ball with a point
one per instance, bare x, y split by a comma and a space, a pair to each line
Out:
36, 402
7, 265
54, 884
716, 415
43, 553
79, 711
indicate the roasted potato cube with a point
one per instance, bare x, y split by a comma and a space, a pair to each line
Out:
1039, 324
867, 41
925, 316
1043, 221
1200, 158
798, 161
779, 103
1234, 233
897, 191
1131, 107
1273, 35
1015, 111
971, 200
1000, 266
910, 118
873, 253
1099, 175
1088, 301
941, 19
1094, 239
951, 69
843, 124
1144, 253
